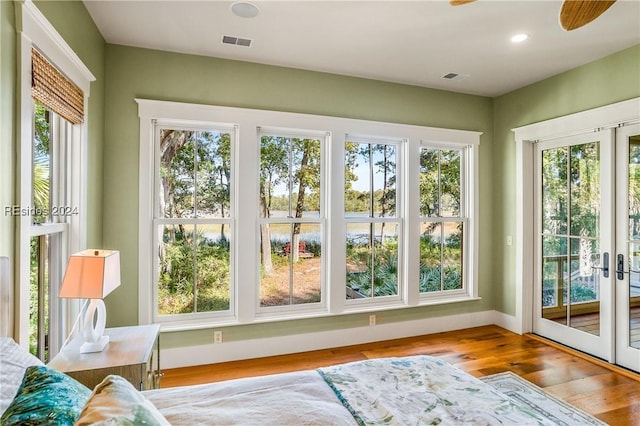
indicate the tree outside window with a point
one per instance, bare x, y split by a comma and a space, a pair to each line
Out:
373, 227
442, 222
193, 221
290, 220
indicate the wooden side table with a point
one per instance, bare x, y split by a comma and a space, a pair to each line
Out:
129, 354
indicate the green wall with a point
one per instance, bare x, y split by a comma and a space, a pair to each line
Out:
612, 79
7, 123
140, 73
124, 73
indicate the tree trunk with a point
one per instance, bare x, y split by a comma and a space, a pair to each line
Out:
295, 238
265, 235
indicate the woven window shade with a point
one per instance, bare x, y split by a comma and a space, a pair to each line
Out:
54, 90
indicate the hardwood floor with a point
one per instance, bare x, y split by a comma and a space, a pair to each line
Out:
610, 393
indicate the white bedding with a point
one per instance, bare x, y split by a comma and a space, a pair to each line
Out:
415, 390
300, 398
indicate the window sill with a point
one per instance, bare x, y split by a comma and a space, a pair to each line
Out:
230, 322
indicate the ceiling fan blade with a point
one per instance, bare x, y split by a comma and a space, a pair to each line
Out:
576, 13
460, 2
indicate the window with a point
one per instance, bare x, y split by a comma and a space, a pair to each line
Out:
51, 197
372, 222
250, 216
50, 212
291, 220
443, 226
193, 219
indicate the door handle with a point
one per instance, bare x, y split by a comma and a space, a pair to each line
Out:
620, 267
604, 266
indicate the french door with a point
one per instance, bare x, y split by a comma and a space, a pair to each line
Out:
574, 295
627, 291
587, 293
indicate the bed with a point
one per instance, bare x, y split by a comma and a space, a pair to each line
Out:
407, 390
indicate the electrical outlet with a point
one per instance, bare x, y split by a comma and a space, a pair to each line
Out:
372, 320
217, 336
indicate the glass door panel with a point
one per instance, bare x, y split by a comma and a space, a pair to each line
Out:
574, 206
628, 253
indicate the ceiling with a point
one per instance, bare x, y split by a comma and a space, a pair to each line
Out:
411, 42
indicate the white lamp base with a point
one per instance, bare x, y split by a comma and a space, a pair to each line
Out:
94, 339
89, 347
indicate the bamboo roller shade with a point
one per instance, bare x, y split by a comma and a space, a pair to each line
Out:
54, 90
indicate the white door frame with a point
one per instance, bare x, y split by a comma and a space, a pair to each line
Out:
626, 356
606, 117
601, 344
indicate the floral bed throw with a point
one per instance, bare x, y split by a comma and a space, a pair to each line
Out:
421, 390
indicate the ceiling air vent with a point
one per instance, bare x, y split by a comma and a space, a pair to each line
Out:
238, 41
454, 76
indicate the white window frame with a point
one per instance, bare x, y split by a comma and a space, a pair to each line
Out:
399, 219
158, 220
36, 32
298, 309
468, 217
605, 117
246, 279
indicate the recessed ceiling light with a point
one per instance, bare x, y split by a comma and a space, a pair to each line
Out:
519, 38
245, 10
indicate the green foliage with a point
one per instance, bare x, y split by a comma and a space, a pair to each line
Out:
179, 273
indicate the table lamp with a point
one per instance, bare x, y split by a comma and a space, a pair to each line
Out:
92, 274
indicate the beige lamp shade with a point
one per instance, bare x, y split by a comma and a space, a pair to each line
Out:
91, 274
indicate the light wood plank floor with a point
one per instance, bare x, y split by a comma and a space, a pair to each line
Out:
609, 393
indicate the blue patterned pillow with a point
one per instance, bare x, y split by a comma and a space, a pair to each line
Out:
46, 397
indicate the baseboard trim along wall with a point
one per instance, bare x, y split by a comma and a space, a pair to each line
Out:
257, 348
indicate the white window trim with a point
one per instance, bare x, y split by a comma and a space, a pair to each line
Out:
249, 122
605, 117
297, 310
36, 32
468, 216
398, 299
157, 220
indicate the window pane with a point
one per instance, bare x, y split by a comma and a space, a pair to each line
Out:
213, 277
429, 183
357, 185
554, 191
39, 298
441, 256
41, 171
440, 178
305, 173
384, 180
176, 270
372, 260
452, 255
294, 276
585, 189
430, 257
370, 169
213, 174
177, 181
192, 254
289, 177
450, 182
359, 254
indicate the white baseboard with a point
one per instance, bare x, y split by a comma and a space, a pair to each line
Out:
256, 348
509, 322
